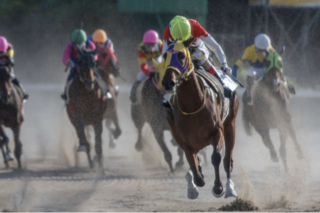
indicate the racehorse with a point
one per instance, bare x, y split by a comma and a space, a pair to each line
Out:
271, 109
86, 106
149, 110
10, 115
109, 69
196, 119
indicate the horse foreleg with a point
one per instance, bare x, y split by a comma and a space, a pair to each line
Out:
84, 146
158, 133
194, 166
292, 134
264, 133
138, 121
217, 143
98, 145
229, 136
18, 144
283, 151
193, 191
112, 145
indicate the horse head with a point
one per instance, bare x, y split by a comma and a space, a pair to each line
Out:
5, 84
178, 65
274, 71
85, 69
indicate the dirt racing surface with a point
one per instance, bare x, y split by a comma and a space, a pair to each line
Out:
56, 178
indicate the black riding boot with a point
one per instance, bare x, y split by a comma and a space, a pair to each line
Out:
133, 94
227, 91
16, 82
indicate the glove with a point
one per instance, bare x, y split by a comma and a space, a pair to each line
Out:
226, 69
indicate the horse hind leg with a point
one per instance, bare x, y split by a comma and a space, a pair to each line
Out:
283, 151
193, 191
138, 121
117, 132
6, 163
180, 162
112, 145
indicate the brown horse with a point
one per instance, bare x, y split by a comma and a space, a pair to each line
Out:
271, 109
149, 110
108, 68
86, 106
196, 119
10, 115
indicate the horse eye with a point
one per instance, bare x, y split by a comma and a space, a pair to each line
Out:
181, 56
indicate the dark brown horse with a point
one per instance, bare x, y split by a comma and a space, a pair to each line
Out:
109, 69
86, 106
10, 115
271, 109
196, 119
149, 110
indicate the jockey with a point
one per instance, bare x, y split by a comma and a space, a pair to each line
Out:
256, 55
79, 44
6, 59
151, 47
101, 39
181, 28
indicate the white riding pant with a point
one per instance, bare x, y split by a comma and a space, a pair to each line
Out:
201, 54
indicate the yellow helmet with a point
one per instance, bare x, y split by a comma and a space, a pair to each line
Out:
180, 28
99, 36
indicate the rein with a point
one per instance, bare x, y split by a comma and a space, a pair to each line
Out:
185, 77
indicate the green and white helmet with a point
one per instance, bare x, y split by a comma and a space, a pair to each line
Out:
78, 36
180, 28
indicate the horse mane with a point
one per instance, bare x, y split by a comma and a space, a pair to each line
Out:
86, 60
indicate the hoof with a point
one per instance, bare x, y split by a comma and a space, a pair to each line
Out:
116, 133
193, 193
199, 181
138, 146
230, 192
179, 164
112, 145
9, 157
218, 192
82, 148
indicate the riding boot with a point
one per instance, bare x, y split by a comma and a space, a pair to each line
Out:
227, 91
133, 94
16, 82
70, 76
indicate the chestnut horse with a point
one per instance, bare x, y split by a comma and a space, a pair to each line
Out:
10, 115
86, 106
149, 110
271, 109
196, 120
109, 69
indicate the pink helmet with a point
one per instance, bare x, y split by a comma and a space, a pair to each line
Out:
3, 44
151, 36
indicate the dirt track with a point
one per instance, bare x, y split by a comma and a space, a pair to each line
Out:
55, 178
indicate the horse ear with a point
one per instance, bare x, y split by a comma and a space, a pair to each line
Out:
186, 43
283, 51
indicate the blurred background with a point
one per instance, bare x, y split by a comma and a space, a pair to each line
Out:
40, 30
